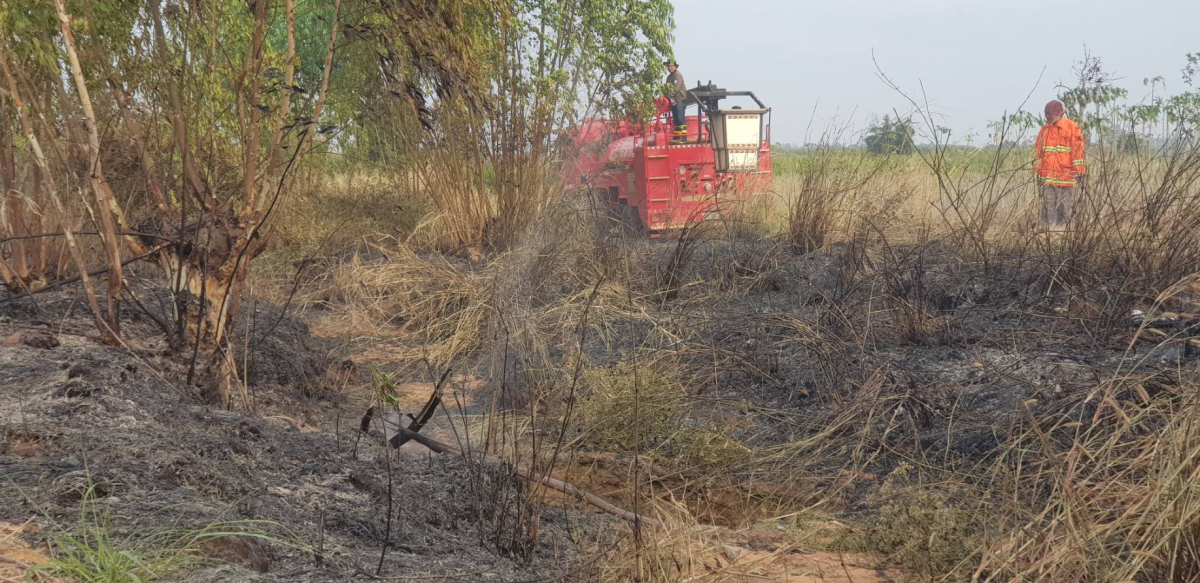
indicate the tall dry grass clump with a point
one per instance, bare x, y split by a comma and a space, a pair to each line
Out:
1113, 495
526, 300
1108, 498
675, 552
1134, 232
630, 407
821, 195
442, 308
335, 209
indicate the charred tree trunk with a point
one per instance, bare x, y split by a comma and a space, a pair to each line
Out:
207, 267
207, 263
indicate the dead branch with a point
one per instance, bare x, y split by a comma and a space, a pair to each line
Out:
427, 411
58, 283
527, 474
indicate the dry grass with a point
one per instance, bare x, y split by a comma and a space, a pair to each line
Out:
933, 529
629, 407
670, 554
343, 207
1088, 481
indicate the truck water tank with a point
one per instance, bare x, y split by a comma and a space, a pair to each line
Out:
621, 151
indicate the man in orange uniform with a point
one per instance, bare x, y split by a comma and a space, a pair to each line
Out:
1060, 164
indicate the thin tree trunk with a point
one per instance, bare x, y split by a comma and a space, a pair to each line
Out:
313, 124
15, 217
285, 102
253, 70
139, 142
106, 207
12, 213
40, 158
178, 119
147, 161
42, 246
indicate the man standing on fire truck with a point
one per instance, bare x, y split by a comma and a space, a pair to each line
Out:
677, 96
1061, 166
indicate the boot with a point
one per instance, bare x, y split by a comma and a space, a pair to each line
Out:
680, 135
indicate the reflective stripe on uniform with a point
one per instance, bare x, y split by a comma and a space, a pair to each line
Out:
1057, 182
1080, 162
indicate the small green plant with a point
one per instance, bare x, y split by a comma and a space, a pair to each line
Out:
385, 386
94, 553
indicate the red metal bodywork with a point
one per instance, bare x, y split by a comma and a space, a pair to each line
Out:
636, 169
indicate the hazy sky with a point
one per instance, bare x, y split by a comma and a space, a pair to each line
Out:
976, 58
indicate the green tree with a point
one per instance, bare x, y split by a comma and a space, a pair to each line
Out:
1094, 99
1169, 113
543, 65
210, 108
891, 136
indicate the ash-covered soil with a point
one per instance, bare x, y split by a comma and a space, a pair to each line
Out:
75, 415
950, 358
917, 352
911, 352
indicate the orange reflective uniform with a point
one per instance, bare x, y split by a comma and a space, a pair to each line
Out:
1059, 151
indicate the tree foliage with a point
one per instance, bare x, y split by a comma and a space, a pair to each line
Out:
186, 121
1101, 107
1179, 110
542, 67
891, 136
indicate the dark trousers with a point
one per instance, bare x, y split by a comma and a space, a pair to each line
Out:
1057, 203
678, 115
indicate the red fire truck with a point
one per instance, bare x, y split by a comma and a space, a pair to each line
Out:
637, 170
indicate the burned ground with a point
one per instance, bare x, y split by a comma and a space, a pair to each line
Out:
118, 426
820, 375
